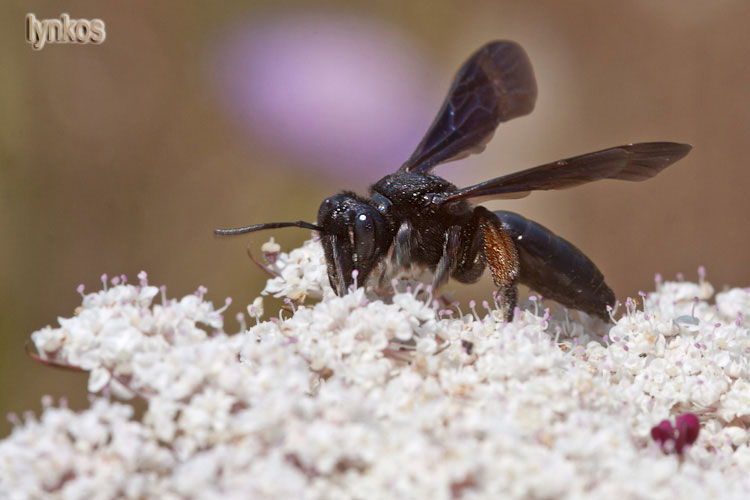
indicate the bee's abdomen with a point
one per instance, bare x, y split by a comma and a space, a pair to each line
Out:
555, 268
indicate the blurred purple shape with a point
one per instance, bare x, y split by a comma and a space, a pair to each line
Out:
342, 94
687, 427
675, 438
663, 432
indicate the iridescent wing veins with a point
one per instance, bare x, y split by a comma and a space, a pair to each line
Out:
631, 162
494, 85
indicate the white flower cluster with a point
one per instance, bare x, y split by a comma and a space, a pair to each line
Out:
116, 329
299, 273
358, 398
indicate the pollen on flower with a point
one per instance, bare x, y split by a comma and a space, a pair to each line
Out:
400, 396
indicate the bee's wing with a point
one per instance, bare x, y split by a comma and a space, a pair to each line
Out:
631, 162
494, 85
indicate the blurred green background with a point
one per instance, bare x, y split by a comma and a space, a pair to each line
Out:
124, 156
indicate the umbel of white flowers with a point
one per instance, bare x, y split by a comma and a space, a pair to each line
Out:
358, 397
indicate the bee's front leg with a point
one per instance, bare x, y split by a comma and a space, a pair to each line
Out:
403, 244
449, 260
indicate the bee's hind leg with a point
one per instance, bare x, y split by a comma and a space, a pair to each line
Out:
501, 255
486, 242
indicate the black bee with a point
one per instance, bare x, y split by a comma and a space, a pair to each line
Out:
415, 217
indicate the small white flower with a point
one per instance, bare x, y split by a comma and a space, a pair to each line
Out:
271, 251
255, 310
734, 305
98, 379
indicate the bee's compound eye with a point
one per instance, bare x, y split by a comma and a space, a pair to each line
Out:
364, 235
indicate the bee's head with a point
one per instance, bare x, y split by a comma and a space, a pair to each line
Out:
354, 234
354, 238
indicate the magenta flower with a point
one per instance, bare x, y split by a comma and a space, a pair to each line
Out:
675, 438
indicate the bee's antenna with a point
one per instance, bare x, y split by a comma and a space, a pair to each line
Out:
267, 225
